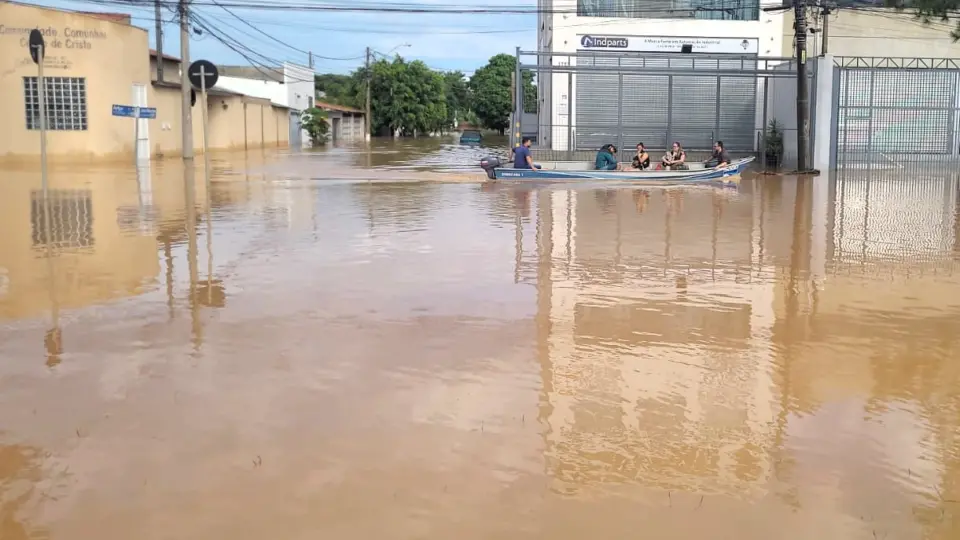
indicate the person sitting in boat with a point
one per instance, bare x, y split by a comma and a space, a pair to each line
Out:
607, 158
675, 159
641, 161
521, 156
719, 158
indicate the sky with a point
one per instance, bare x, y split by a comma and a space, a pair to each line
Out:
443, 41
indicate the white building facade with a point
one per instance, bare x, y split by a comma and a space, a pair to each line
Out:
290, 85
580, 104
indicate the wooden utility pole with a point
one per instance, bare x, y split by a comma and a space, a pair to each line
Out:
159, 36
803, 100
369, 119
186, 107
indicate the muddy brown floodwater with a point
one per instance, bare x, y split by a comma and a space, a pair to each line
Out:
283, 356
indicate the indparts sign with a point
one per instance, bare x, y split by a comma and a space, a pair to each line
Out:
668, 44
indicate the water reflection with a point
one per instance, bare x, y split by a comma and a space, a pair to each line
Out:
692, 363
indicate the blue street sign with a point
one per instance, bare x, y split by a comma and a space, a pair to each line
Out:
130, 111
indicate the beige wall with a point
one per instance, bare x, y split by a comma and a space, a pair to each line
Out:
112, 60
877, 33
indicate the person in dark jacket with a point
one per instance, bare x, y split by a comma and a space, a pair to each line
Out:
607, 158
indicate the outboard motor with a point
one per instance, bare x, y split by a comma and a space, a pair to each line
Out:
488, 164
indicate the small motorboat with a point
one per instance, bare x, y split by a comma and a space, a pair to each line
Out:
579, 171
471, 137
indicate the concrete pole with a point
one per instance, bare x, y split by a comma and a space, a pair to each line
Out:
186, 109
159, 36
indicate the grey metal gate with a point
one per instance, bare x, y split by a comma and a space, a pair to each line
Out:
688, 107
892, 112
296, 140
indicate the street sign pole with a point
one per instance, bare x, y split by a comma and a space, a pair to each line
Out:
136, 135
41, 95
203, 111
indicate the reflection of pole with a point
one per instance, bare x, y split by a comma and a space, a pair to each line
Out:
190, 195
209, 254
53, 341
168, 257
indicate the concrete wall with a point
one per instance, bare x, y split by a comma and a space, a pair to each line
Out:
273, 91
877, 33
239, 122
110, 56
782, 107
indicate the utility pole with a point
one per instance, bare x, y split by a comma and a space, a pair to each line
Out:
369, 80
159, 35
186, 108
310, 59
803, 100
826, 23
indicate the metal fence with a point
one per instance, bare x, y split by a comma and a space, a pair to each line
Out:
896, 113
587, 99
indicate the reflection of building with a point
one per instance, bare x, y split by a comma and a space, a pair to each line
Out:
96, 257
655, 346
95, 61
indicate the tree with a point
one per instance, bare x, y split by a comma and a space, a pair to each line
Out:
314, 121
931, 10
490, 87
339, 89
406, 97
457, 97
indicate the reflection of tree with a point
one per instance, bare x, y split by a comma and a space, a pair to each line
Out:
403, 205
19, 474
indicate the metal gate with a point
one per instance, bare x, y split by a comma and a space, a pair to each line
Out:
587, 99
894, 112
659, 109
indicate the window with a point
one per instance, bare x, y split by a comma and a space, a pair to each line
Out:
728, 10
66, 99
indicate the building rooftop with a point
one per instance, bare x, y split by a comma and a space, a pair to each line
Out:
332, 107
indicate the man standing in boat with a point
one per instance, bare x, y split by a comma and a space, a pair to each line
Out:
719, 158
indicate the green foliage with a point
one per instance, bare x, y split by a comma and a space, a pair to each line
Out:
490, 86
929, 11
457, 96
340, 89
314, 121
774, 138
406, 97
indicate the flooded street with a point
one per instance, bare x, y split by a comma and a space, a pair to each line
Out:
287, 354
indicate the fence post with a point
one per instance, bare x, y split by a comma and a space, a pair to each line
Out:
763, 126
620, 112
570, 114
669, 134
716, 109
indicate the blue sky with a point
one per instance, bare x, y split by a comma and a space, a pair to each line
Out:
452, 41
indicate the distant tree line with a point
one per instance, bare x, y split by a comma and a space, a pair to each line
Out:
409, 98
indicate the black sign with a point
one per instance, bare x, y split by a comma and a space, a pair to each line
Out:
210, 74
37, 46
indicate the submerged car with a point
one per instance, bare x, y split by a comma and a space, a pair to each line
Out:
471, 137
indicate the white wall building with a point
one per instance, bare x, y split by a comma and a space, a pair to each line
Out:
736, 28
290, 85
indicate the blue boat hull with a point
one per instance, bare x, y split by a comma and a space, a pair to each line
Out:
664, 177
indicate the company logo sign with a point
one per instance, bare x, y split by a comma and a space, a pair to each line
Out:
594, 42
